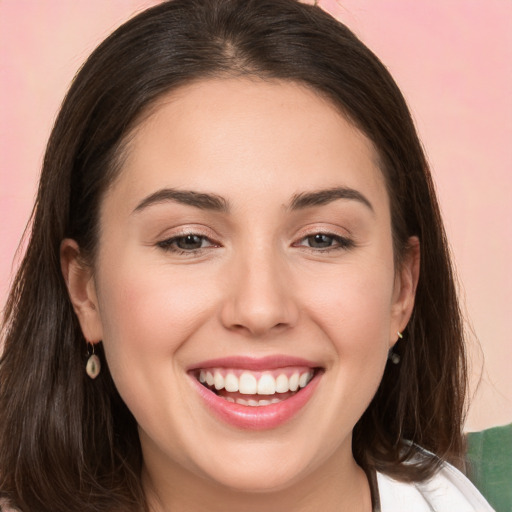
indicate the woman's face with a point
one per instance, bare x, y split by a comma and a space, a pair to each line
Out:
246, 242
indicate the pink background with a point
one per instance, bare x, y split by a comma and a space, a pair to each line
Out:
452, 60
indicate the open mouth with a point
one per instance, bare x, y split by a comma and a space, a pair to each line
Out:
255, 388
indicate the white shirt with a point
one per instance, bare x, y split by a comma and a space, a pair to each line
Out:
447, 491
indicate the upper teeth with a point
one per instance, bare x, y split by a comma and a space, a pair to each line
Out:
249, 383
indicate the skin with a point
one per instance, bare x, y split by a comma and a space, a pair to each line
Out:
257, 287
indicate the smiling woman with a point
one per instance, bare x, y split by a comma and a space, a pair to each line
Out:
237, 293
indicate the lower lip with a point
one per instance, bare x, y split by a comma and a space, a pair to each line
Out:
257, 418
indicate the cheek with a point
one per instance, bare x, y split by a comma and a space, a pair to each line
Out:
353, 309
354, 301
355, 318
147, 314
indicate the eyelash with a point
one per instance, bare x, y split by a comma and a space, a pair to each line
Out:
342, 243
170, 244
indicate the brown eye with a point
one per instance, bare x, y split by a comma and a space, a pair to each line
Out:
190, 242
325, 242
186, 243
320, 241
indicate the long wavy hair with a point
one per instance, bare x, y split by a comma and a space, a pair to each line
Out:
70, 443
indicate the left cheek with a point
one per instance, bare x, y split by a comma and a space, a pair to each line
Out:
358, 331
352, 304
355, 316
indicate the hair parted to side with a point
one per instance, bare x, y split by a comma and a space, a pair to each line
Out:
70, 443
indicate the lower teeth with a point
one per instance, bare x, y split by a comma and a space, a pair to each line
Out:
252, 403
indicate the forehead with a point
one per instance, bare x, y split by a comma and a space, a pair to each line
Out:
235, 134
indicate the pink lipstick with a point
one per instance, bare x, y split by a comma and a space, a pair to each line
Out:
256, 393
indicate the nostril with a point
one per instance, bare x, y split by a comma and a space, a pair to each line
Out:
255, 307
258, 329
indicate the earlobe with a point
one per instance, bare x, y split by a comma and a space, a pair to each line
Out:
405, 288
81, 289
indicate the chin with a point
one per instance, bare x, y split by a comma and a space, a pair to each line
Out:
257, 480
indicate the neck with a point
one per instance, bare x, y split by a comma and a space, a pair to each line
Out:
335, 485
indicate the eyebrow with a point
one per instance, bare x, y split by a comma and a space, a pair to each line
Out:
217, 203
326, 196
199, 200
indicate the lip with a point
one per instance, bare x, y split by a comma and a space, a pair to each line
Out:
254, 364
262, 417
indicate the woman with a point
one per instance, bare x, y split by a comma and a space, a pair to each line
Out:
237, 294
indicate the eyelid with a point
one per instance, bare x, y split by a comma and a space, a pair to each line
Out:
166, 240
186, 229
344, 241
164, 244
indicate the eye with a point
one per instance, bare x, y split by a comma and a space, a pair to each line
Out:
190, 242
320, 241
325, 241
186, 243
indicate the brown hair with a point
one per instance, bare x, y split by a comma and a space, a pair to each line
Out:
70, 443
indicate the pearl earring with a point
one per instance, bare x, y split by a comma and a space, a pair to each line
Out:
393, 356
93, 366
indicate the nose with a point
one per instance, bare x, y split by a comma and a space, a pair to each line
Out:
259, 296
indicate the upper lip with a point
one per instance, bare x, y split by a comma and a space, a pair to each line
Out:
254, 363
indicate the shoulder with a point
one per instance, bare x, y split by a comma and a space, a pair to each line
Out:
447, 491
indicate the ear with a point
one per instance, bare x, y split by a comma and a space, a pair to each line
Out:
406, 281
82, 290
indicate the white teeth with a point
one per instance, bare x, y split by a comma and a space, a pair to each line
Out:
266, 385
254, 403
231, 383
248, 384
218, 380
282, 384
294, 382
303, 380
